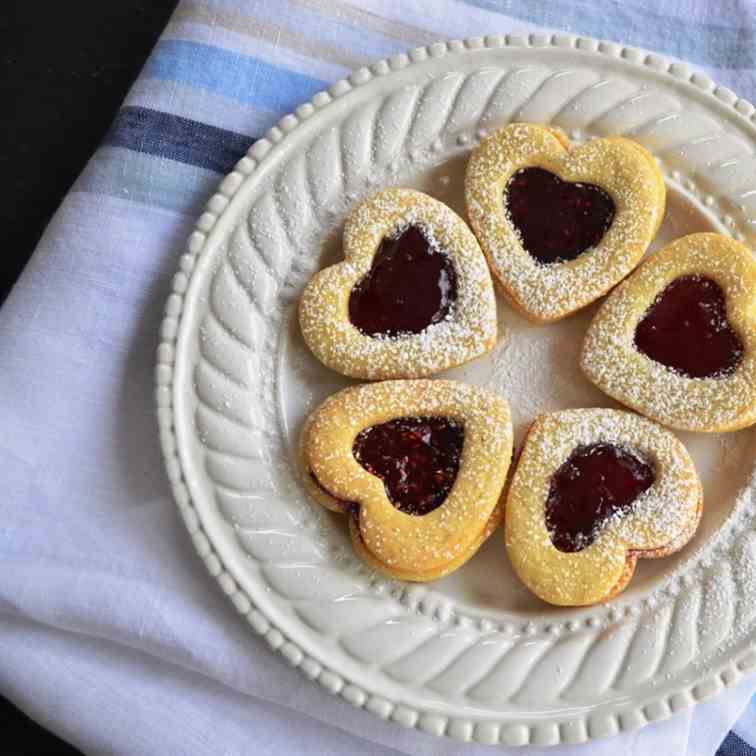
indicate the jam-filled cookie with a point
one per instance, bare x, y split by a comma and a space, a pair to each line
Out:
413, 296
561, 225
594, 491
677, 340
418, 466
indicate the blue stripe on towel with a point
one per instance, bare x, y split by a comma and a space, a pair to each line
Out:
157, 133
240, 77
735, 746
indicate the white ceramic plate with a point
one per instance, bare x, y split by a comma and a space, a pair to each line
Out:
474, 655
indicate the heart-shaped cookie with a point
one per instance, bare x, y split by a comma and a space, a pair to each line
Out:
561, 225
595, 490
418, 466
413, 296
677, 340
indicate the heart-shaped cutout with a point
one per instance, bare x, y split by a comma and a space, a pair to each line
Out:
594, 490
561, 225
686, 329
410, 286
578, 214
418, 466
676, 340
596, 482
413, 296
417, 458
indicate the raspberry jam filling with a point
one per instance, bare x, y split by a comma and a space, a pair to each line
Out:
411, 285
557, 220
596, 482
686, 329
417, 458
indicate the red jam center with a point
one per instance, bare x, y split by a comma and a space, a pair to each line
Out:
411, 285
417, 458
556, 220
596, 482
686, 329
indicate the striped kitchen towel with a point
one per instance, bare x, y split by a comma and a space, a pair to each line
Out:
111, 633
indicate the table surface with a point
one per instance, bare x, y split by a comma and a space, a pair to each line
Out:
64, 71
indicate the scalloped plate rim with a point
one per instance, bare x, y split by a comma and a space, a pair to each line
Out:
167, 397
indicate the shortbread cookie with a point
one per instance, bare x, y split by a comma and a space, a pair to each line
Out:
595, 490
413, 296
418, 466
561, 225
677, 340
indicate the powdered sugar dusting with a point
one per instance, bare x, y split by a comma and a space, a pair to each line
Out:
623, 169
395, 539
611, 360
560, 385
538, 368
469, 329
661, 521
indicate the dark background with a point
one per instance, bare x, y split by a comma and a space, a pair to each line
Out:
65, 67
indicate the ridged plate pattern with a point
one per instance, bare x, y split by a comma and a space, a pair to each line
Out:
407, 652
